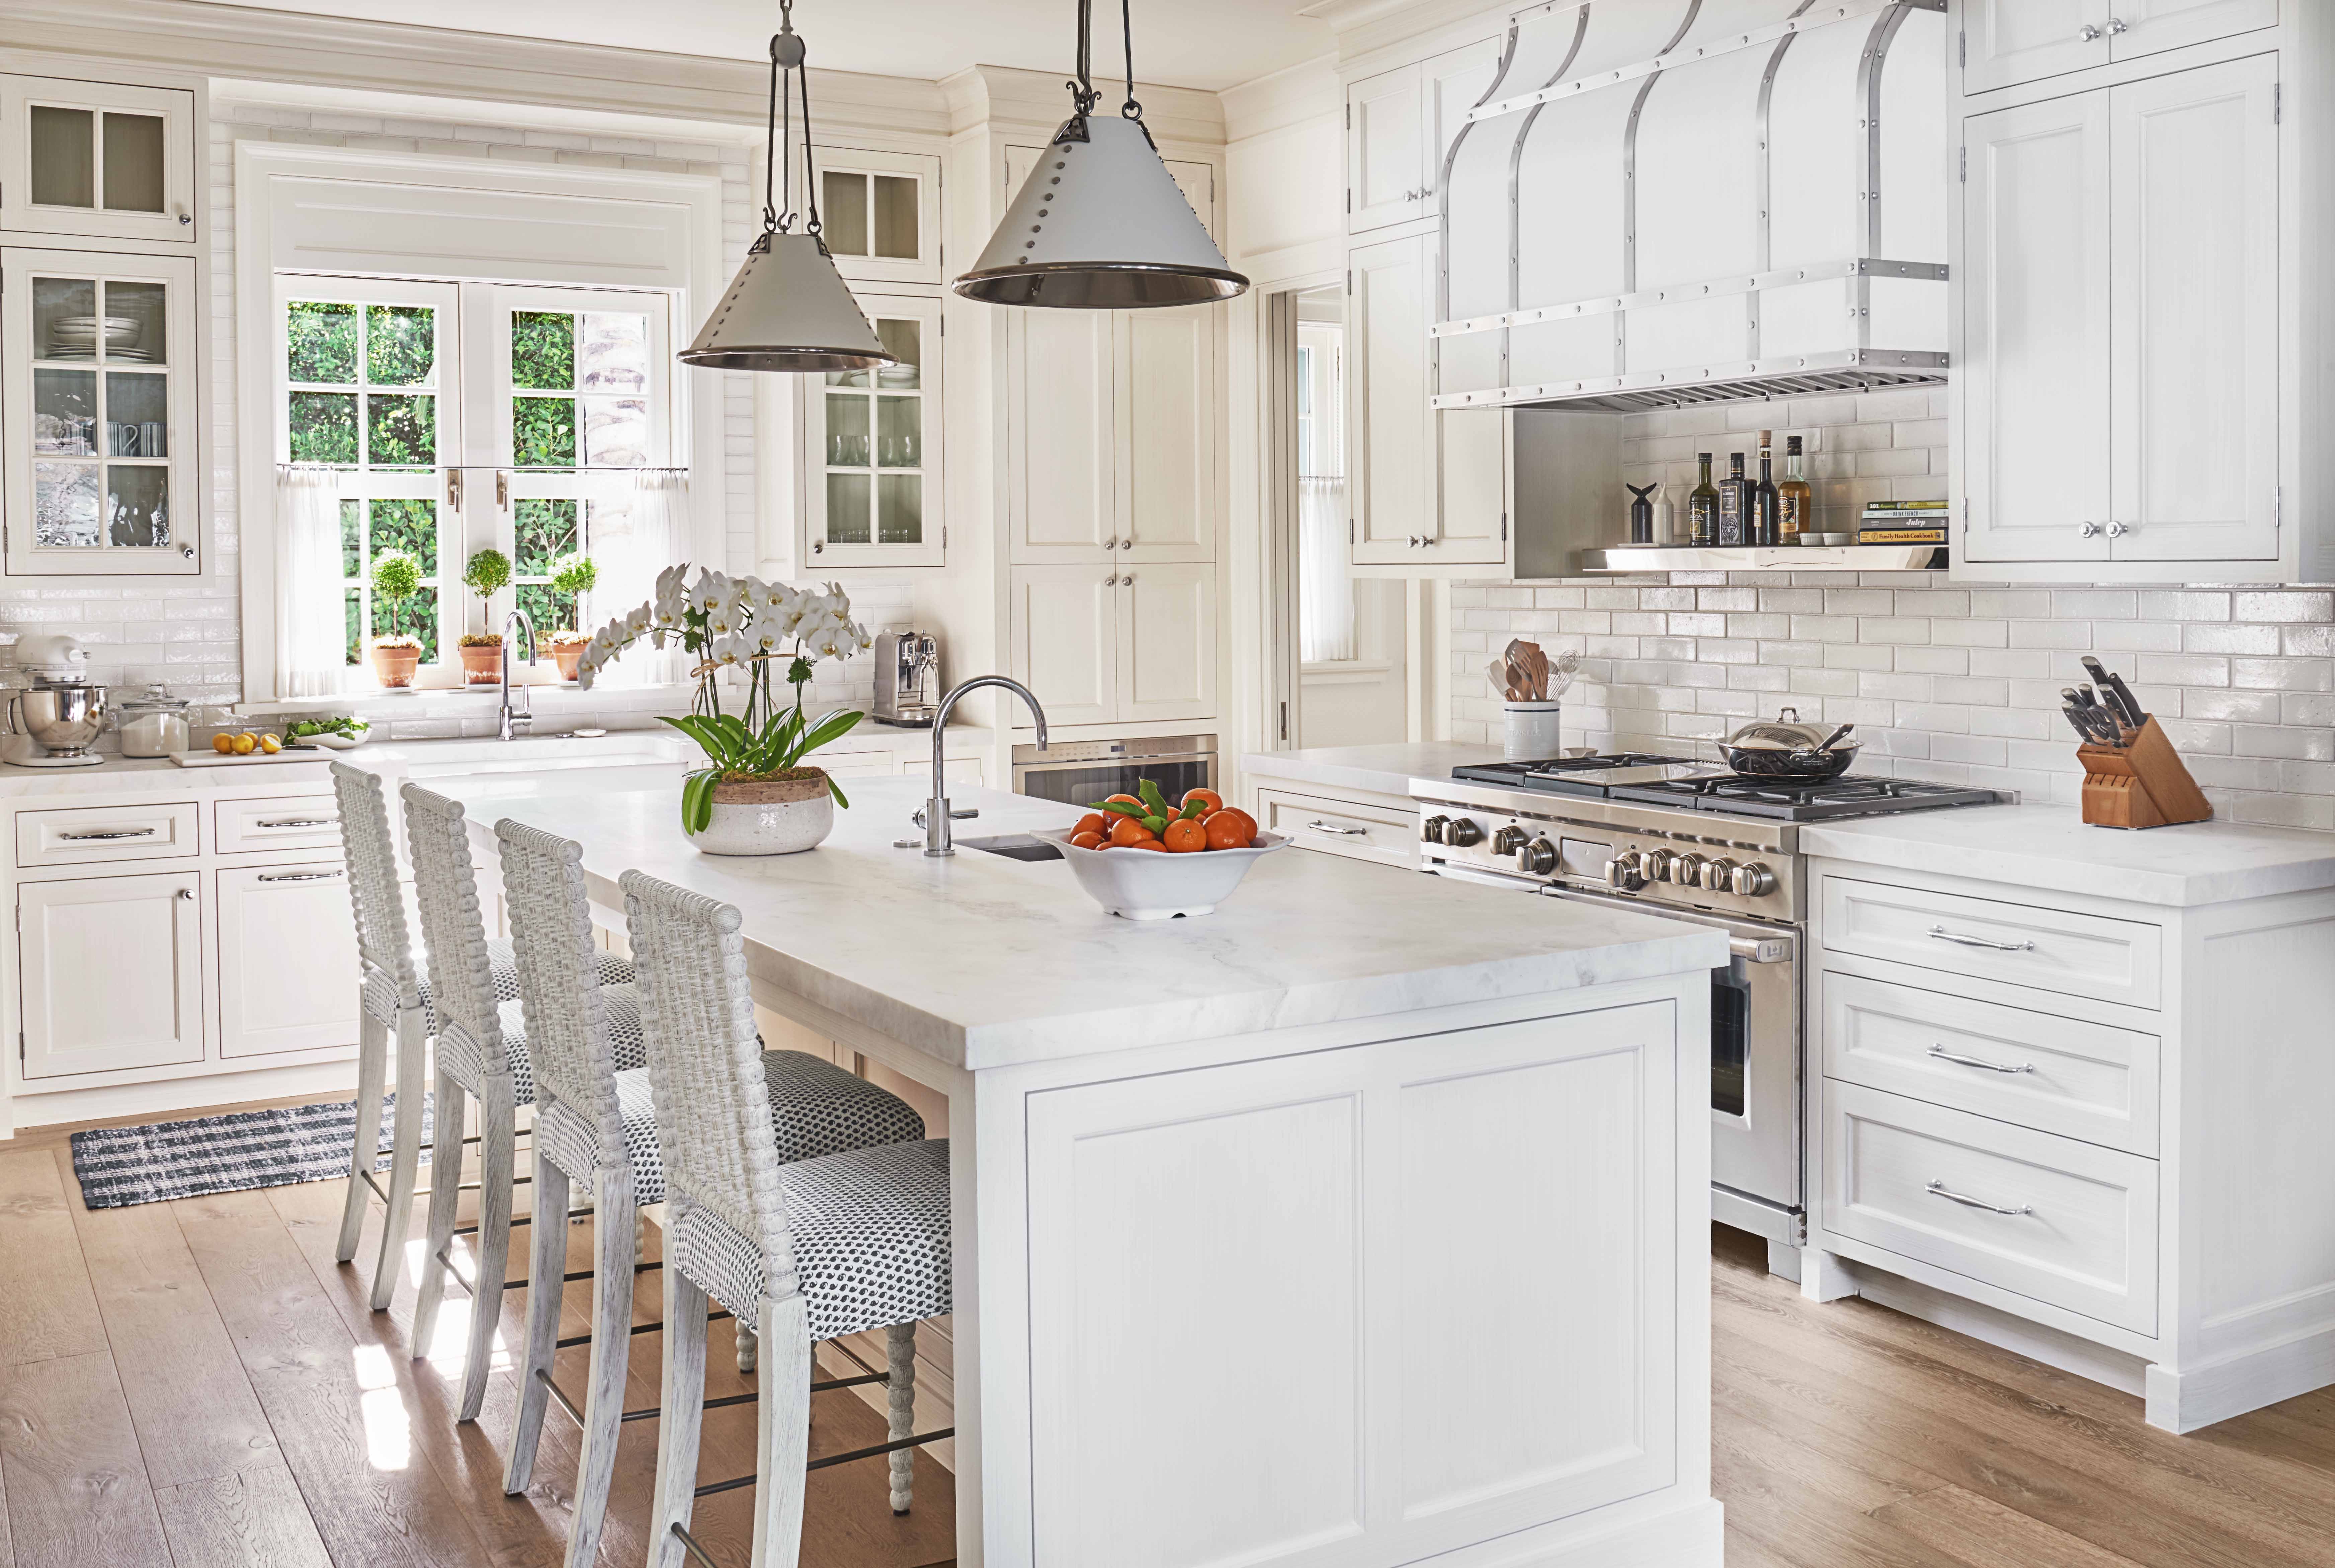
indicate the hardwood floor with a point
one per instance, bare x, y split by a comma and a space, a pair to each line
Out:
197, 1385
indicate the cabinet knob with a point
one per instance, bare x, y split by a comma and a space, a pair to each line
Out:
2086, 530
1126, 543
1111, 544
187, 894
1128, 578
2117, 530
2117, 27
2089, 34
1111, 581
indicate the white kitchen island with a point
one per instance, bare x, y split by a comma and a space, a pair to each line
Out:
1361, 1222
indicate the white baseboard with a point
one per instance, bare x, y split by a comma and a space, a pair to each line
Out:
166, 1097
2199, 1396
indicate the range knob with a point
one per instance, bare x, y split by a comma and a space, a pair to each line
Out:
1431, 830
1462, 833
1509, 839
1656, 864
1687, 870
1717, 874
1537, 857
1753, 880
1624, 872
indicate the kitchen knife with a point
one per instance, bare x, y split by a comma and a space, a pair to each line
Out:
2082, 726
2115, 694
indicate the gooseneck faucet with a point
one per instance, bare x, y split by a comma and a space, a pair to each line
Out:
937, 810
507, 722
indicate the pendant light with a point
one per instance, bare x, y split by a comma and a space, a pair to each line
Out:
1099, 224
787, 309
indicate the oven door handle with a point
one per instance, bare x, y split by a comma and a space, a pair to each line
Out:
1761, 949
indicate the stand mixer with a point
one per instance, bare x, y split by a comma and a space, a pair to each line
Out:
54, 723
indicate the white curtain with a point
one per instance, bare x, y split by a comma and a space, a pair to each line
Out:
1325, 581
311, 625
639, 528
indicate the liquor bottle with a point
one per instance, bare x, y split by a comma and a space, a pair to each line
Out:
1702, 508
1796, 510
1734, 503
1767, 505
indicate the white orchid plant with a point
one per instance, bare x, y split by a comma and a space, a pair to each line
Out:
748, 625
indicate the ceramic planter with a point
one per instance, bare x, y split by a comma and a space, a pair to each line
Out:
482, 663
769, 816
567, 656
395, 666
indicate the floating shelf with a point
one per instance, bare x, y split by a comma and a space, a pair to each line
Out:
1764, 558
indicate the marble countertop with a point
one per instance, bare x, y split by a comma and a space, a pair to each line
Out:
1385, 769
983, 961
2047, 846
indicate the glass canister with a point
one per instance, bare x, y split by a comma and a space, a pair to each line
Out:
153, 724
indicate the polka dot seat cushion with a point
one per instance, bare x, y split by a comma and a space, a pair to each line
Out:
502, 971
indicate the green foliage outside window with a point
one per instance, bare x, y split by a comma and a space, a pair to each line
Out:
321, 342
542, 531
543, 432
323, 427
543, 350
401, 344
401, 431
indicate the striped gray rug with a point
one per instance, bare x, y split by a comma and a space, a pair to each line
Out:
121, 1165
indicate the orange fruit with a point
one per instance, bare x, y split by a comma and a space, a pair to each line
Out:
1210, 801
1185, 837
1093, 822
1123, 800
1146, 843
1230, 829
1127, 832
1087, 840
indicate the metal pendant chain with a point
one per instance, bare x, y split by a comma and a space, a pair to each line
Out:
1130, 109
787, 54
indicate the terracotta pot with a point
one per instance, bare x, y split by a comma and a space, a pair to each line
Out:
769, 816
567, 656
395, 666
483, 666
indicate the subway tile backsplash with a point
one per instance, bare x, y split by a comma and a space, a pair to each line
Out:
1944, 683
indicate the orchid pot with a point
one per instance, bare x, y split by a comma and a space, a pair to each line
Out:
776, 815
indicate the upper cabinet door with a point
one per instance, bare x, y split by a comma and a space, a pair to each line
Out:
1390, 473
2034, 360
1167, 435
1061, 456
872, 466
1471, 467
2148, 26
1388, 180
97, 360
2196, 402
1450, 84
1167, 642
2006, 42
97, 158
880, 214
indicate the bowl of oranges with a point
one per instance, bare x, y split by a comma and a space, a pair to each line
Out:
1146, 858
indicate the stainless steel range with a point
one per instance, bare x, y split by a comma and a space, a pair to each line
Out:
1678, 837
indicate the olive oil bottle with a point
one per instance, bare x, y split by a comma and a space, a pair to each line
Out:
1796, 508
1702, 508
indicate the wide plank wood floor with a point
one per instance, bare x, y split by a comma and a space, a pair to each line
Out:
197, 1385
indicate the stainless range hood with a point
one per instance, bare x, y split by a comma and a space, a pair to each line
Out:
1666, 202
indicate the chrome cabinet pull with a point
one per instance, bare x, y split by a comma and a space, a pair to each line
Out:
2118, 27
1942, 1054
2119, 530
1941, 1190
2089, 34
297, 876
1340, 832
297, 822
1111, 581
187, 894
124, 832
1940, 934
2087, 530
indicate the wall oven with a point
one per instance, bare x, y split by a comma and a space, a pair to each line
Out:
1081, 772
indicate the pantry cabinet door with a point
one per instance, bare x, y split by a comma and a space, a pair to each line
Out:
1167, 435
2006, 42
1389, 476
288, 958
2034, 359
1065, 623
112, 971
2151, 26
101, 158
1167, 642
1062, 449
2196, 402
1386, 140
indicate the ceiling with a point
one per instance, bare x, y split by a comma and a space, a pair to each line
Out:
1204, 43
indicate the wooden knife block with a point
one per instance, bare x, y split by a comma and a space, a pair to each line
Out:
2143, 784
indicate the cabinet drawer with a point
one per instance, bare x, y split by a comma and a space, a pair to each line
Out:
1933, 1185
1344, 827
2053, 949
82, 837
279, 822
2061, 1075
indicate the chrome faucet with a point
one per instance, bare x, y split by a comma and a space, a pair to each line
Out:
937, 810
507, 724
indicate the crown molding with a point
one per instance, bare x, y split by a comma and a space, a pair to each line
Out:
1294, 95
1000, 95
1362, 27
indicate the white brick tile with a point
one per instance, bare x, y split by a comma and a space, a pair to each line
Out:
2298, 743
1933, 602
1885, 629
2241, 637
1897, 687
2150, 637
1859, 656
1792, 655
2186, 605
2301, 643
2011, 603
1825, 682
1768, 627
1970, 634
2282, 674
1931, 661
2051, 634
2284, 606
1792, 601
1859, 602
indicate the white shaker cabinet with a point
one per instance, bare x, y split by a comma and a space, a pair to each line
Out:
2120, 393
1166, 637
1165, 439
1399, 123
2138, 27
2006, 42
1065, 630
1103, 644
873, 484
110, 972
99, 158
286, 948
1061, 473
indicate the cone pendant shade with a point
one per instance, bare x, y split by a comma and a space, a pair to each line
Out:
1100, 225
787, 310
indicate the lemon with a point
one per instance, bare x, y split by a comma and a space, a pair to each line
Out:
246, 744
222, 744
270, 744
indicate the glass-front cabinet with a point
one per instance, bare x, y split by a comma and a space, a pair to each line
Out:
872, 448
880, 214
97, 158
97, 391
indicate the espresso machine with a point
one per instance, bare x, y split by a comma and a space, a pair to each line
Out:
54, 723
908, 679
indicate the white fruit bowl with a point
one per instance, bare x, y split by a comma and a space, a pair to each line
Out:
1148, 884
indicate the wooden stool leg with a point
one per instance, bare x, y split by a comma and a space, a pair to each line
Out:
498, 1132
405, 1154
445, 1195
372, 1074
547, 1268
682, 1406
900, 1362
783, 1435
604, 1396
